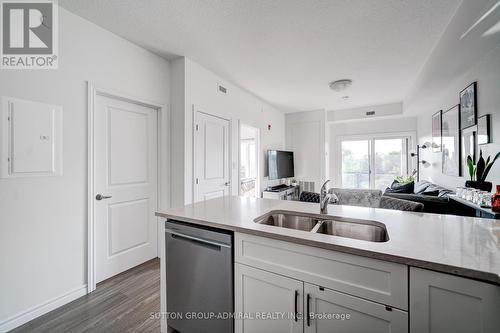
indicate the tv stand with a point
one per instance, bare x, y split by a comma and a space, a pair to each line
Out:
281, 192
277, 188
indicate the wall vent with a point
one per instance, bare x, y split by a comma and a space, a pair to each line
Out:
222, 89
370, 113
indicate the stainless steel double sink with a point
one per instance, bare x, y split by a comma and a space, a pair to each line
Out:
367, 230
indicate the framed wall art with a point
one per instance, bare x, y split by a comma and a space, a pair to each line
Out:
436, 131
468, 106
468, 143
483, 130
451, 142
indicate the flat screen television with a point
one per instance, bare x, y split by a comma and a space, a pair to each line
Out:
280, 164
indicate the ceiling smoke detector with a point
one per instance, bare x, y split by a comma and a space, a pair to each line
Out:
340, 85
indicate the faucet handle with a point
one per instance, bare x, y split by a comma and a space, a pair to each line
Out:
323, 187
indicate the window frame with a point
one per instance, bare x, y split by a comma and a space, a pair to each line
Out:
409, 139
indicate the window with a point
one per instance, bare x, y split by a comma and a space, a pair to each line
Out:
356, 164
248, 159
373, 162
390, 161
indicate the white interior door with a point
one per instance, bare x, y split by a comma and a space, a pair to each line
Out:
125, 136
211, 157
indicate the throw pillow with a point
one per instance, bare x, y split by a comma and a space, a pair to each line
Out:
397, 187
444, 192
420, 187
431, 192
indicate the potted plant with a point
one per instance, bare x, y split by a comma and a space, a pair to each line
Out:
479, 172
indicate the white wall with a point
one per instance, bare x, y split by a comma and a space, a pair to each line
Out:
383, 110
487, 73
315, 140
363, 127
177, 124
454, 64
306, 136
247, 132
201, 94
43, 223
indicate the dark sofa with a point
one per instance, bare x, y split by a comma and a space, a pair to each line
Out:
435, 199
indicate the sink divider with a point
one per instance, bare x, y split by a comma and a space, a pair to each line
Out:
317, 226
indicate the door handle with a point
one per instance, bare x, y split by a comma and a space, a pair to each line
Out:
308, 316
100, 197
227, 183
196, 239
296, 301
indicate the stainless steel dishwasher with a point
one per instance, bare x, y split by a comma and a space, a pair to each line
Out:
199, 264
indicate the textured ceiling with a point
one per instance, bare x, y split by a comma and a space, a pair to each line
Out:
286, 51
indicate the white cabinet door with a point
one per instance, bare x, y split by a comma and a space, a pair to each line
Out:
446, 303
379, 281
331, 311
259, 294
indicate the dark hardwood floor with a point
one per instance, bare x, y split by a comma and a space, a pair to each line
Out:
123, 303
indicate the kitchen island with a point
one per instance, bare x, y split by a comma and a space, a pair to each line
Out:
449, 263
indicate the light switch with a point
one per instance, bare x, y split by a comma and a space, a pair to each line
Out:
31, 139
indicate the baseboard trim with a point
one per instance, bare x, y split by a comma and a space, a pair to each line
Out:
41, 309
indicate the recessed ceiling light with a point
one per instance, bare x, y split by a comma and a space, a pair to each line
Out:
340, 85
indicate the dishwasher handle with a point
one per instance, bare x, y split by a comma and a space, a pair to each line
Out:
196, 239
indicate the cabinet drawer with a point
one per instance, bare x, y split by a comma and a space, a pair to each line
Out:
331, 311
376, 280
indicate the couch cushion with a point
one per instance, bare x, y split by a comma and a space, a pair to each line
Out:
399, 204
309, 196
431, 192
315, 197
445, 192
436, 190
419, 198
357, 197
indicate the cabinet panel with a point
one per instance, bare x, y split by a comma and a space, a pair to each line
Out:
31, 135
259, 294
376, 280
331, 311
446, 303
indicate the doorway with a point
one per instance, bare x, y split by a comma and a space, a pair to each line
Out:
127, 181
249, 184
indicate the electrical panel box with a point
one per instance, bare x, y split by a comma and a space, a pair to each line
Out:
31, 139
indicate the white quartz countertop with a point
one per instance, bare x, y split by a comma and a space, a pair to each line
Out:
463, 246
